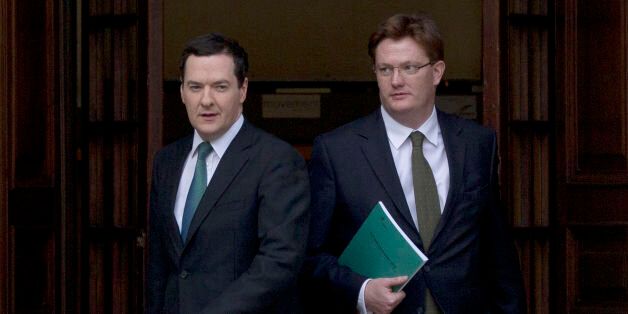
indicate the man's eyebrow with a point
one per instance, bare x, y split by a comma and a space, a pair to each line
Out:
192, 83
400, 64
221, 82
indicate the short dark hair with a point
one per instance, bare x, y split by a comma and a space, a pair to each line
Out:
213, 44
419, 26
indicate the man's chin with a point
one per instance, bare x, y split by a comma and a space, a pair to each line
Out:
209, 133
400, 107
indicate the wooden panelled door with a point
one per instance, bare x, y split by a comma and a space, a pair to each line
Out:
80, 118
119, 121
592, 155
556, 89
518, 104
112, 152
30, 181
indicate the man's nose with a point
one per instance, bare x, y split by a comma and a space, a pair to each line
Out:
397, 78
206, 98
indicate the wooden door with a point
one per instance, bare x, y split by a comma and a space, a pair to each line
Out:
556, 88
119, 120
518, 80
80, 117
592, 151
30, 186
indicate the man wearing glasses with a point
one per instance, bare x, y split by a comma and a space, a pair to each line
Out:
435, 173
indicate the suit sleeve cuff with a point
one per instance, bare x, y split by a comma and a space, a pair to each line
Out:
361, 307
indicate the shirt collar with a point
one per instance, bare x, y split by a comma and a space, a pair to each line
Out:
399, 133
221, 143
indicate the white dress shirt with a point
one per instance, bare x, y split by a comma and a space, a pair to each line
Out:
401, 148
219, 146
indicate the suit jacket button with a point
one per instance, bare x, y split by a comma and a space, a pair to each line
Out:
426, 268
184, 274
420, 310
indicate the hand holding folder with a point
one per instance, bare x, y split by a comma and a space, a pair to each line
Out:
381, 249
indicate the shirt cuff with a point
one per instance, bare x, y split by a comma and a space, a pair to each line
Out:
361, 307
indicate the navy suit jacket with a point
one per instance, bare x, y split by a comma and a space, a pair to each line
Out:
246, 242
473, 265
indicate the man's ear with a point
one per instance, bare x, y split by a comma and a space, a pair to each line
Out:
438, 70
243, 89
181, 89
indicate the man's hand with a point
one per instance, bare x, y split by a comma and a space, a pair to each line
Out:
380, 298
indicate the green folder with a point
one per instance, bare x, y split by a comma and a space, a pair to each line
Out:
381, 249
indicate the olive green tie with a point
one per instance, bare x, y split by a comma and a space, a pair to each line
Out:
197, 188
426, 200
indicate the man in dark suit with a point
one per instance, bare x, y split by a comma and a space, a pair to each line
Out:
228, 204
436, 174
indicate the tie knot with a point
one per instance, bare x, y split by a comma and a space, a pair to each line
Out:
203, 150
417, 139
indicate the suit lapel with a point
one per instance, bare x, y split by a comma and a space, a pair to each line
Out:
455, 149
377, 151
229, 166
175, 172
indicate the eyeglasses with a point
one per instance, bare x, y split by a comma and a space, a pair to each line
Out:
406, 69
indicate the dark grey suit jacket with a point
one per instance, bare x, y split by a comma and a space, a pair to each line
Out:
246, 242
473, 265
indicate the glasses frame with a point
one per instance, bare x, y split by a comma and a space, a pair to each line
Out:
416, 70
